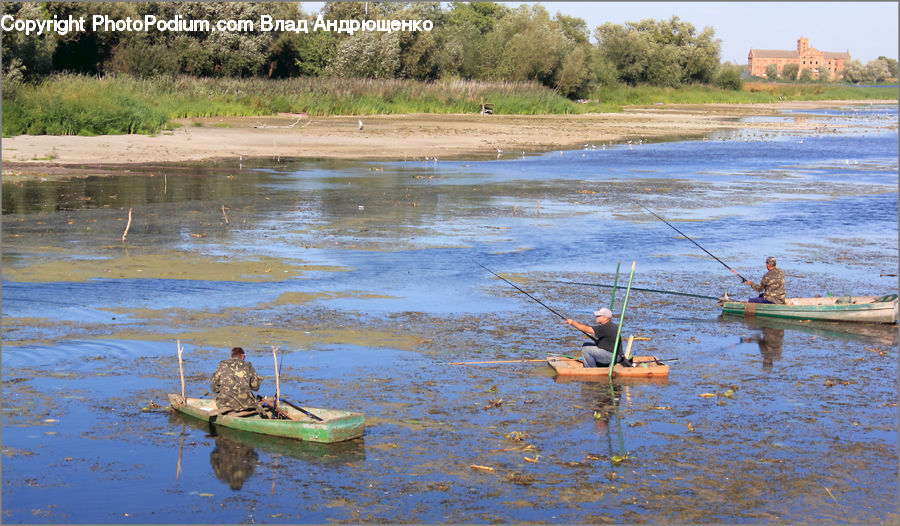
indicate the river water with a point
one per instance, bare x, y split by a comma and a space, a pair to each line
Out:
365, 276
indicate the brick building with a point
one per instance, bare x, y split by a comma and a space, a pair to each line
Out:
805, 57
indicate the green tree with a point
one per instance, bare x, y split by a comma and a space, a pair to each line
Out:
771, 71
419, 49
891, 65
527, 46
367, 55
854, 71
790, 71
27, 57
483, 16
462, 38
878, 70
461, 48
576, 75
664, 53
626, 50
575, 29
805, 75
729, 77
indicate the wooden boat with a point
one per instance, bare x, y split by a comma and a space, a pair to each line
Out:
335, 426
860, 309
644, 367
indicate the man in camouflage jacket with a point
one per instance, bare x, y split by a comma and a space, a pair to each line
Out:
771, 286
234, 382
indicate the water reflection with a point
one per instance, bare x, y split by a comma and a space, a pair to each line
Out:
232, 461
865, 333
770, 342
234, 445
603, 400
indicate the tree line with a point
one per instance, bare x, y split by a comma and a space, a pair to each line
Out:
484, 41
854, 72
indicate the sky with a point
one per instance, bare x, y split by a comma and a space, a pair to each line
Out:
866, 29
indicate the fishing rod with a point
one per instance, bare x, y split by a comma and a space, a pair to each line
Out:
694, 242
520, 290
527, 294
725, 297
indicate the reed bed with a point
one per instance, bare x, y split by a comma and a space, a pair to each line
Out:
68, 104
80, 105
752, 93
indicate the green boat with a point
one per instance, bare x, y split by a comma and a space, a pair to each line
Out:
859, 309
334, 426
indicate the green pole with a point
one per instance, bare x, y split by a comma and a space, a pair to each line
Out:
612, 364
612, 301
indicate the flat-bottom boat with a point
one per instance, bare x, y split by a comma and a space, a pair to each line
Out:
860, 309
644, 367
334, 426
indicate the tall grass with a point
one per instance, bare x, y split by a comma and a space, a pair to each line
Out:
752, 93
68, 104
79, 105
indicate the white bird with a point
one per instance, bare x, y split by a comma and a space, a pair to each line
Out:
360, 124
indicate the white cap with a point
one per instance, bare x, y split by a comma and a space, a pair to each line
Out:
603, 312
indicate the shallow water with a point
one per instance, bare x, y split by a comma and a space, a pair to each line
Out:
364, 274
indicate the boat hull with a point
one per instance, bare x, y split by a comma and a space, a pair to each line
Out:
847, 309
645, 367
335, 426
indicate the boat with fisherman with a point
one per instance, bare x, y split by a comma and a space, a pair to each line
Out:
643, 367
300, 423
272, 415
859, 309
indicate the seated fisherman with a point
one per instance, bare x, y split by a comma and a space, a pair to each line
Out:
598, 353
234, 382
771, 286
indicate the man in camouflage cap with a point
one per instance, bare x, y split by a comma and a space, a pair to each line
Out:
234, 382
771, 286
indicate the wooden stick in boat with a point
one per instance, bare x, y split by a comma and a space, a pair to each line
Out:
181, 371
277, 384
628, 347
127, 226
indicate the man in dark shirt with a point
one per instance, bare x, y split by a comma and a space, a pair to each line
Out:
598, 353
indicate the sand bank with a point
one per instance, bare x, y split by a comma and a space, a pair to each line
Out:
389, 137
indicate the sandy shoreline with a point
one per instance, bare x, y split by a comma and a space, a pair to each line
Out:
391, 137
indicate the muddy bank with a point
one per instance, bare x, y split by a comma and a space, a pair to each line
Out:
388, 137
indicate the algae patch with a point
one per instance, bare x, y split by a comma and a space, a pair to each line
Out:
172, 265
252, 337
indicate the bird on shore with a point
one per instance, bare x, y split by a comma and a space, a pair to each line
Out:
360, 124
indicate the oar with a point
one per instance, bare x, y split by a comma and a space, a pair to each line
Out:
274, 407
659, 360
298, 408
725, 297
743, 279
497, 361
